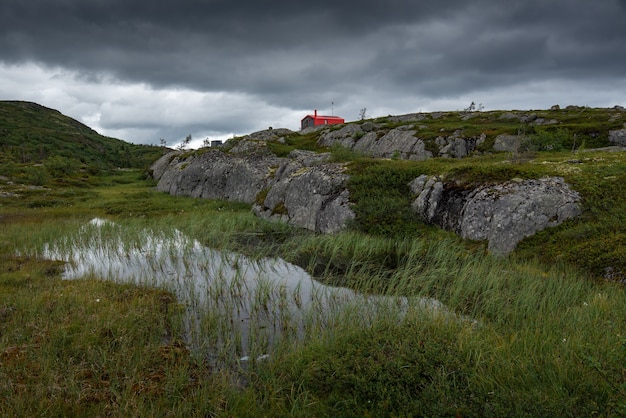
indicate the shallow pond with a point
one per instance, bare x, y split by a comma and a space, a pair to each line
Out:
237, 307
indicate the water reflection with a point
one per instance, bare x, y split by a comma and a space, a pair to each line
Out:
236, 306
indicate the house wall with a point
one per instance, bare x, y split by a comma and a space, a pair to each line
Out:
306, 122
327, 121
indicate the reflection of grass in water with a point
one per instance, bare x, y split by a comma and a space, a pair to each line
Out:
235, 306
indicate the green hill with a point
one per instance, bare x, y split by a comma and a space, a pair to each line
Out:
32, 134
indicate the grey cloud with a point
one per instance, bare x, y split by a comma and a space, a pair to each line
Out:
224, 44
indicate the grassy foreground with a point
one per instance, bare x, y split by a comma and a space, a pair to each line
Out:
548, 339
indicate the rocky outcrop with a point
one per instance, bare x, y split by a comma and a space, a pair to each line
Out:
216, 175
303, 189
346, 136
458, 145
308, 193
397, 143
509, 143
162, 164
308, 190
503, 214
618, 137
402, 142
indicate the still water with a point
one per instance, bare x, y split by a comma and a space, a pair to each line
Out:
236, 307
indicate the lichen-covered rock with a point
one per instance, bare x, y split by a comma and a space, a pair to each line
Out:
399, 143
428, 190
312, 197
618, 137
410, 117
304, 189
346, 136
509, 143
503, 214
217, 175
507, 213
366, 142
270, 134
402, 142
457, 145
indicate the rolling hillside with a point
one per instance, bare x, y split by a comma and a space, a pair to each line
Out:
31, 134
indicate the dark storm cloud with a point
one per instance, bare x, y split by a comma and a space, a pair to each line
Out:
211, 44
295, 54
248, 45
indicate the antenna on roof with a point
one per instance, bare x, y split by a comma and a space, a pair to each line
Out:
332, 108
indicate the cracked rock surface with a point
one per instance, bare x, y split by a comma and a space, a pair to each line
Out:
303, 189
503, 214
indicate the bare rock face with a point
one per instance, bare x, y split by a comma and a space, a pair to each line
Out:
503, 214
310, 196
457, 145
346, 136
162, 164
618, 137
402, 142
396, 143
509, 143
304, 189
216, 175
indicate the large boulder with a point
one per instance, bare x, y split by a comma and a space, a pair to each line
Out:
458, 145
162, 164
509, 143
503, 214
399, 143
304, 190
312, 196
217, 175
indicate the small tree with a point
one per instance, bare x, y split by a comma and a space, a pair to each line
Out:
163, 142
185, 143
206, 142
363, 114
471, 107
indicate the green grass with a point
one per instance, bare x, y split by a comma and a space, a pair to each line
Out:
85, 348
295, 141
547, 341
596, 240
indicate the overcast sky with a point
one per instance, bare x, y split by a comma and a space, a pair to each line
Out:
142, 70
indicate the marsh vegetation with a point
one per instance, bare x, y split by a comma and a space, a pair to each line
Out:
540, 339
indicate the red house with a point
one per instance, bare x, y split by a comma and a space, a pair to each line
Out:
315, 120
